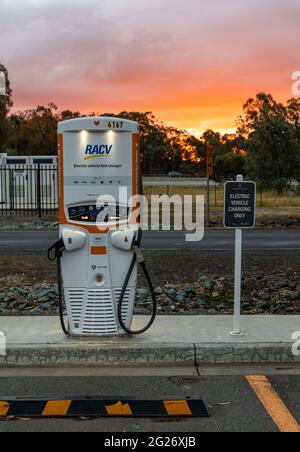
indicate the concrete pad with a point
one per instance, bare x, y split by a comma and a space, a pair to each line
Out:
172, 341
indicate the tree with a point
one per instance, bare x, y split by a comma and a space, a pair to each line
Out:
5, 105
213, 139
35, 131
6, 101
272, 142
68, 114
163, 148
228, 166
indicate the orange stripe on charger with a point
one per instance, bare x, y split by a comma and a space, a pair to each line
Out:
61, 204
135, 171
99, 250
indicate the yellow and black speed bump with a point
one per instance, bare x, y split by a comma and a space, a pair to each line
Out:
101, 407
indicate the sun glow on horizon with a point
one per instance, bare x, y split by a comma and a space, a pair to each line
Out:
192, 65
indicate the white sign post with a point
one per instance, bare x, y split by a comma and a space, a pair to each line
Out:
237, 283
239, 214
238, 278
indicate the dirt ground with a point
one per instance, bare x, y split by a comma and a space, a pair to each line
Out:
173, 268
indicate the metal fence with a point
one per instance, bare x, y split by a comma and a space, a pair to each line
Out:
28, 189
33, 189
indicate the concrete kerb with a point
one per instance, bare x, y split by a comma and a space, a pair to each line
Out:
162, 355
173, 341
104, 355
259, 353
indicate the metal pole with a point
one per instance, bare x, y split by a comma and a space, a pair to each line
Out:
238, 278
39, 201
237, 282
216, 196
208, 201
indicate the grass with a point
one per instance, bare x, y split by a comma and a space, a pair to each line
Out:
268, 198
269, 205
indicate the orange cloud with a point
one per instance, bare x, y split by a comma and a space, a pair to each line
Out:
192, 63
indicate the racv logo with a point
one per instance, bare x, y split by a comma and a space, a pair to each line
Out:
97, 150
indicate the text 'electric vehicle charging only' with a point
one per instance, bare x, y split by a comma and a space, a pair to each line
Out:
99, 225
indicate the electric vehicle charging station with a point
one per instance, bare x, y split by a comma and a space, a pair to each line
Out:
97, 256
98, 251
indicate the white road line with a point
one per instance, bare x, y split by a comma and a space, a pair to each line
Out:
222, 249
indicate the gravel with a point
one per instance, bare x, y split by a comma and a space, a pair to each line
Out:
207, 295
16, 223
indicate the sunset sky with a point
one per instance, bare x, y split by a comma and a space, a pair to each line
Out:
193, 63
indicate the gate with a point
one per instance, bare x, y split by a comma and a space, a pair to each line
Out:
28, 189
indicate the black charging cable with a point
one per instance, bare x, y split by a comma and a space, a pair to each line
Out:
137, 258
55, 254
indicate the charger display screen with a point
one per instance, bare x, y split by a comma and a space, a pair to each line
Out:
102, 214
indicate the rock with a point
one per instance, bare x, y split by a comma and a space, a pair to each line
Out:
170, 287
264, 305
181, 297
34, 310
201, 302
53, 225
43, 293
142, 294
212, 312
169, 302
192, 306
170, 309
294, 296
158, 291
209, 284
45, 306
172, 294
203, 279
281, 285
21, 306
189, 289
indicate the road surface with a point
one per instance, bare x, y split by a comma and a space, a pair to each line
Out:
232, 402
283, 241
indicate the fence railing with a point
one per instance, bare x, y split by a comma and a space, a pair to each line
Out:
28, 189
33, 190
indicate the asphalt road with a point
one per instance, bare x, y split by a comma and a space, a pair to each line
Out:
214, 241
231, 401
